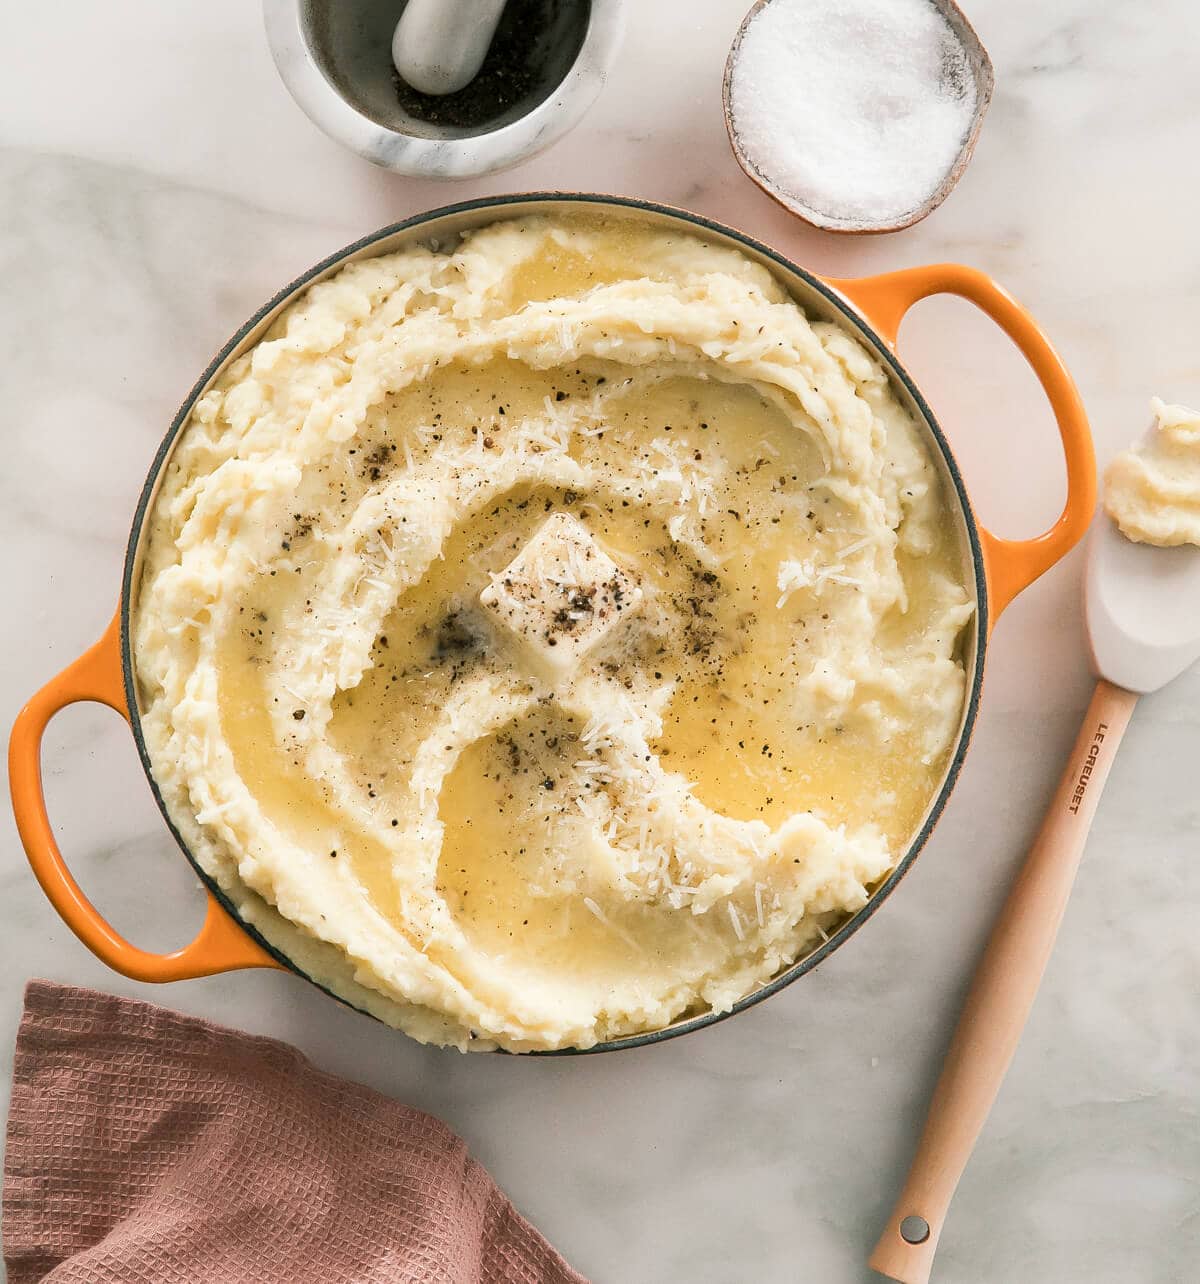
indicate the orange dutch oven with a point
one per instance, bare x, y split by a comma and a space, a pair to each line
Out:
871, 308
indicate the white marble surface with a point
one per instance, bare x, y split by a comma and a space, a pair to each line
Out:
158, 183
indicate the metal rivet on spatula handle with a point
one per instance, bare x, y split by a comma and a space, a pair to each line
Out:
914, 1229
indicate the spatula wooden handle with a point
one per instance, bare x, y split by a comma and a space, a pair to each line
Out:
1002, 994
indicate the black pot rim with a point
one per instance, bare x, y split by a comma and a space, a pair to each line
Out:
882, 351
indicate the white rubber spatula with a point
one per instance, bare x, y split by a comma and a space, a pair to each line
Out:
1143, 620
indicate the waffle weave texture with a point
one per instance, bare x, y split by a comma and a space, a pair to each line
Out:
147, 1147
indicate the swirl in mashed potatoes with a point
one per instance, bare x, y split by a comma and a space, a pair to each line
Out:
545, 638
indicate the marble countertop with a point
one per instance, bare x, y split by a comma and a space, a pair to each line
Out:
159, 184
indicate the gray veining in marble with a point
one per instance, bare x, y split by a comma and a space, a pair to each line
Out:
158, 183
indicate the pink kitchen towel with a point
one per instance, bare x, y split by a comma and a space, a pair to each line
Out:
147, 1147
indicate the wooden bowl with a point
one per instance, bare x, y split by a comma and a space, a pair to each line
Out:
981, 71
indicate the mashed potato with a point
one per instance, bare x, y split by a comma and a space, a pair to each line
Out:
545, 638
1152, 491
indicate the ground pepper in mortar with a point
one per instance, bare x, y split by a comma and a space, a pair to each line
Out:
509, 71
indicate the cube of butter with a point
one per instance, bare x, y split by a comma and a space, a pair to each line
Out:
560, 595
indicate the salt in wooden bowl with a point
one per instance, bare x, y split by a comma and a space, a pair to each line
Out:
980, 66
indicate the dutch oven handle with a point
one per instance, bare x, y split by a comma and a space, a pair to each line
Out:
221, 944
1011, 564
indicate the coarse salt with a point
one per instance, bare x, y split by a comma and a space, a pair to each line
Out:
857, 109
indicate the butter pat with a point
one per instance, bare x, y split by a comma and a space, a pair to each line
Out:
561, 595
